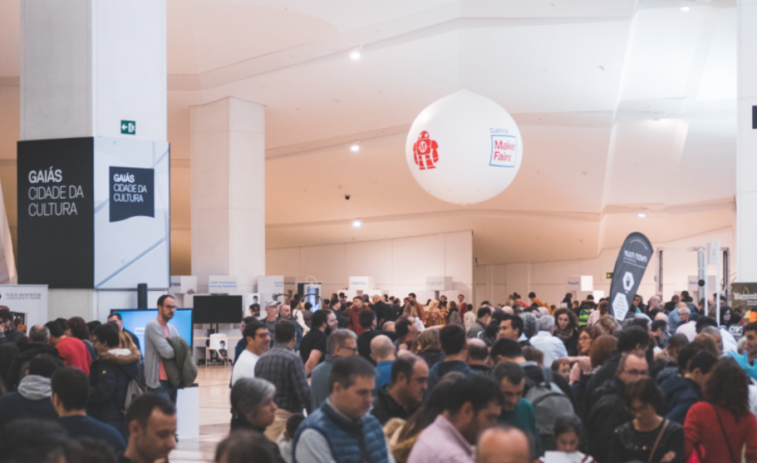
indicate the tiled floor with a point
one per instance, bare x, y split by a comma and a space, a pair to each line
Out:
214, 416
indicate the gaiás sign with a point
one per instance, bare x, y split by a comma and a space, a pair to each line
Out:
132, 193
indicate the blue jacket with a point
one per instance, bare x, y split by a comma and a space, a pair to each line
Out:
680, 394
349, 441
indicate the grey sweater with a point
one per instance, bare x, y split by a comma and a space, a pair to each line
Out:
156, 347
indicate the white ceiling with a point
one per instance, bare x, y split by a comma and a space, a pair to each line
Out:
625, 106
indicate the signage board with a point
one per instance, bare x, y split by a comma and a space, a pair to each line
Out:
94, 213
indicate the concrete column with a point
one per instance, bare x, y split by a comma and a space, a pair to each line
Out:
746, 151
86, 65
228, 191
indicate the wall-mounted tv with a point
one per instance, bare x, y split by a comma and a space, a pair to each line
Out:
218, 309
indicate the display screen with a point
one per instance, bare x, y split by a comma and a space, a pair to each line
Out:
218, 309
135, 321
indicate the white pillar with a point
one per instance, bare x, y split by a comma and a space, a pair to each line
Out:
746, 151
86, 65
228, 191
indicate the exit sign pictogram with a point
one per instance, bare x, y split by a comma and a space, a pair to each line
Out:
128, 127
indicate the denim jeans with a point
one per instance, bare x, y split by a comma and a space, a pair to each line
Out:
166, 389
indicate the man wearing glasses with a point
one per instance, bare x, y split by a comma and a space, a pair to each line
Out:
157, 349
258, 342
340, 343
608, 410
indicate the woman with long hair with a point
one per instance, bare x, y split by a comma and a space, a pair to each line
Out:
582, 362
566, 328
453, 316
722, 429
429, 347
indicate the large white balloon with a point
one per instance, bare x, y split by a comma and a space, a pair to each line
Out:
464, 148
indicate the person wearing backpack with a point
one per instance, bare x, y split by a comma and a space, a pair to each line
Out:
115, 372
516, 410
549, 402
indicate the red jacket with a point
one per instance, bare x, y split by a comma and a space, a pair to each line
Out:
74, 354
354, 319
701, 428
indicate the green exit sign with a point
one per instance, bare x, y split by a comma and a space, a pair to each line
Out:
128, 127
608, 275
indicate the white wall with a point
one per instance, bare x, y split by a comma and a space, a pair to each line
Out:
549, 279
399, 266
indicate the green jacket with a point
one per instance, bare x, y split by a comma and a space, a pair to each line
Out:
181, 369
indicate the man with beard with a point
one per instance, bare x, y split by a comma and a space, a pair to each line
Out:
313, 346
402, 397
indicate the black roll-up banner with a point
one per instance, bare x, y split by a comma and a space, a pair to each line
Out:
633, 259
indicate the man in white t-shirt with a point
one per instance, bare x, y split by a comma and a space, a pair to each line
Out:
258, 342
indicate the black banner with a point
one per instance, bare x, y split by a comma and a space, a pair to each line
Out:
131, 193
633, 258
56, 213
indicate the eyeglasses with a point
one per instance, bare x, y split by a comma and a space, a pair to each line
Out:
636, 372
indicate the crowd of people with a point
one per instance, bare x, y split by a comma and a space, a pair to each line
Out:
384, 379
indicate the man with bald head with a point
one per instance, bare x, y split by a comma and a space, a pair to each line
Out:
503, 444
477, 354
382, 352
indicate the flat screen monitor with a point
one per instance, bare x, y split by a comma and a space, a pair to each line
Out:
218, 309
135, 321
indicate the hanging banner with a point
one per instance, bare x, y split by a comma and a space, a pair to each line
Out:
633, 259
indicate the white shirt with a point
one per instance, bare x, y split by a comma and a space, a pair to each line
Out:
729, 342
552, 347
244, 366
689, 330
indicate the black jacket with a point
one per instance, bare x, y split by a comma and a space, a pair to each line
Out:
14, 336
109, 378
607, 413
602, 375
385, 407
17, 369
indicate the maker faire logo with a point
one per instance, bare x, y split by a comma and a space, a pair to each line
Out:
425, 152
504, 150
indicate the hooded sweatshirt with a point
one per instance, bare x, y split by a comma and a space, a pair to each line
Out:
32, 400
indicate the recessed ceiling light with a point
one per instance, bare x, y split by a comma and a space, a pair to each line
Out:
355, 55
354, 147
642, 215
685, 9
357, 224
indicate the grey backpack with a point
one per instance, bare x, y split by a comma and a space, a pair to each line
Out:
549, 402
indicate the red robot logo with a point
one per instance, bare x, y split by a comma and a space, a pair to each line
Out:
425, 152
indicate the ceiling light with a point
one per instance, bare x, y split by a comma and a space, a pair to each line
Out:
357, 224
685, 9
642, 215
354, 147
355, 55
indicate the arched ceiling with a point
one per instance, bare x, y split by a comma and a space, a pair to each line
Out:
625, 106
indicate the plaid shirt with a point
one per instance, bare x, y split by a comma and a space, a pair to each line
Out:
282, 367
